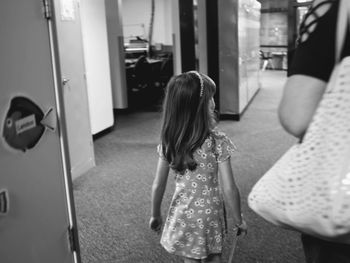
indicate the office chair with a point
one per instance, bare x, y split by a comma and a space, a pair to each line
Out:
142, 77
166, 71
267, 60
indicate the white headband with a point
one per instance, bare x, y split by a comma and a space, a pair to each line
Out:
200, 81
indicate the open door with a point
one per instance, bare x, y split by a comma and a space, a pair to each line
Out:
37, 219
74, 88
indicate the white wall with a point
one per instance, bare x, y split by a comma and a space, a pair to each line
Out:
116, 53
137, 16
96, 53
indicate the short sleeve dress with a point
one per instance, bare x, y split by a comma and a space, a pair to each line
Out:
195, 224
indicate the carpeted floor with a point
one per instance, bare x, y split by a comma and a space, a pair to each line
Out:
113, 199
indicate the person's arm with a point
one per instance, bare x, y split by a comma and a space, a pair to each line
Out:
310, 68
300, 99
231, 194
158, 189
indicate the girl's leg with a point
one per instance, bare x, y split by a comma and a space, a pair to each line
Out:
192, 260
213, 258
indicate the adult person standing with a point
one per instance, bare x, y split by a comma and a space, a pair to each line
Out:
310, 70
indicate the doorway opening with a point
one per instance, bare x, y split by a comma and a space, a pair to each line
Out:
148, 52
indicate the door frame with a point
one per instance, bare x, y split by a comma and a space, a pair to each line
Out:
292, 26
62, 128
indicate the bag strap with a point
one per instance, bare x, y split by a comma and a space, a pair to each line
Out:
343, 24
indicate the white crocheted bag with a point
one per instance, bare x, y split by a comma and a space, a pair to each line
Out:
308, 189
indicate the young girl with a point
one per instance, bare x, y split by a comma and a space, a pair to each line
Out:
196, 152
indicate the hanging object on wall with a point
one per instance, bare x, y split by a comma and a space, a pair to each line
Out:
67, 10
25, 123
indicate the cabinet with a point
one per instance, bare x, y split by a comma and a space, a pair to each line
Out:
239, 62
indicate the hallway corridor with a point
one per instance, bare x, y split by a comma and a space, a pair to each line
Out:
113, 199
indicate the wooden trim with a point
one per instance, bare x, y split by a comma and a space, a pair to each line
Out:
213, 45
274, 10
232, 117
291, 30
278, 46
188, 56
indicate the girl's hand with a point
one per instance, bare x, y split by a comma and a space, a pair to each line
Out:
155, 223
241, 228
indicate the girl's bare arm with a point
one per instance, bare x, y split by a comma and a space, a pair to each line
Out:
230, 190
158, 187
300, 99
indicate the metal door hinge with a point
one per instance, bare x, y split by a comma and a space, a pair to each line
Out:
73, 242
47, 9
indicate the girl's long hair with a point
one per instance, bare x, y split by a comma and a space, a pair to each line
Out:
187, 119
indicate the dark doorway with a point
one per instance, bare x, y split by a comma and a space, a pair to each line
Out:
296, 11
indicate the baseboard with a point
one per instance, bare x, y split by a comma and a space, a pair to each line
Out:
232, 117
82, 168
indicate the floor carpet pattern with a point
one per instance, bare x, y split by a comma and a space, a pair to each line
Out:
113, 199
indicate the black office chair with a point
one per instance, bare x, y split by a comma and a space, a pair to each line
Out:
143, 92
142, 75
267, 60
166, 70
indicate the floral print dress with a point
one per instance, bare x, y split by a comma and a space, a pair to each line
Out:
196, 223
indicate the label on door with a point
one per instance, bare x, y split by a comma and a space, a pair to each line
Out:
25, 124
